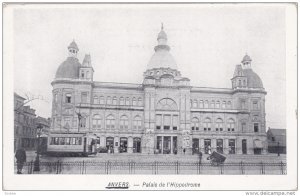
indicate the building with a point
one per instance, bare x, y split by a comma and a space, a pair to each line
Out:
164, 114
276, 140
24, 125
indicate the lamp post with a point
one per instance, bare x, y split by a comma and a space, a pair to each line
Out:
278, 150
37, 158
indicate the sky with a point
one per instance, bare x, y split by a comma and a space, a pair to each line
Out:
206, 40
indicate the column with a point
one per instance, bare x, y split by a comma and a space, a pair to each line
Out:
201, 145
213, 144
130, 145
238, 146
116, 147
102, 141
171, 145
226, 146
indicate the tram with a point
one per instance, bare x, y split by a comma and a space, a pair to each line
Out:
71, 144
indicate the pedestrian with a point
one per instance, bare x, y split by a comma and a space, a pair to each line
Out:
184, 151
21, 159
209, 150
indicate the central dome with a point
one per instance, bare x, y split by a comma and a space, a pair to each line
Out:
68, 69
162, 57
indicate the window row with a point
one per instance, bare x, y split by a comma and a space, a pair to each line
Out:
65, 141
211, 104
98, 122
207, 124
115, 101
167, 122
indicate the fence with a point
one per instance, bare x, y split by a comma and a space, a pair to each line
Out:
154, 168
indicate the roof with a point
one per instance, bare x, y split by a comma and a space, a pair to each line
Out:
18, 96
68, 69
277, 131
162, 35
246, 58
162, 59
253, 79
73, 45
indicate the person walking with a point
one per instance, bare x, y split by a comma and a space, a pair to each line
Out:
21, 159
200, 156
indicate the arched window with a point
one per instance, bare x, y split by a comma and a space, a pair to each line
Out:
95, 99
127, 102
115, 101
102, 100
195, 103
229, 105
206, 104
230, 125
68, 98
195, 124
166, 104
224, 105
140, 103
134, 101
212, 104
108, 101
137, 123
96, 121
110, 122
201, 104
218, 104
124, 122
121, 100
207, 124
219, 124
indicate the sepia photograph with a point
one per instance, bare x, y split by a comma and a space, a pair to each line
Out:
183, 94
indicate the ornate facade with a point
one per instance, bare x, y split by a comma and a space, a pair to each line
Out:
164, 114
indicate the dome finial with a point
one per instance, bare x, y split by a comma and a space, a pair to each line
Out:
162, 26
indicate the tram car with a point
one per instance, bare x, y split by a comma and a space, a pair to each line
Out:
71, 144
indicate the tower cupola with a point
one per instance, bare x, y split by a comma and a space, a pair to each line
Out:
73, 49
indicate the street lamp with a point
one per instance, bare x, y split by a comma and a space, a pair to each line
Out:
278, 153
37, 158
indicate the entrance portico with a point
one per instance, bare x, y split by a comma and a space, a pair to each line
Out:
166, 144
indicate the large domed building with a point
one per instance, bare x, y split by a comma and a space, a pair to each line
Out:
162, 115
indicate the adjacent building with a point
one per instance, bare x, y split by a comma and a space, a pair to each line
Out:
25, 125
276, 140
164, 114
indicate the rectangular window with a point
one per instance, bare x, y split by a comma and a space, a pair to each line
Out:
175, 122
84, 97
243, 127
231, 146
255, 105
158, 121
167, 122
256, 127
243, 104
68, 98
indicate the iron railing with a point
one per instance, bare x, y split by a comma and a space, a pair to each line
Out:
156, 167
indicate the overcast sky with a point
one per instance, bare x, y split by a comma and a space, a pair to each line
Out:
207, 41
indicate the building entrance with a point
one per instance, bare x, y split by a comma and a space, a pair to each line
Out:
123, 144
244, 146
110, 144
195, 146
166, 144
207, 146
136, 145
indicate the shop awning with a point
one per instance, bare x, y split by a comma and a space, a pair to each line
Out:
258, 144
